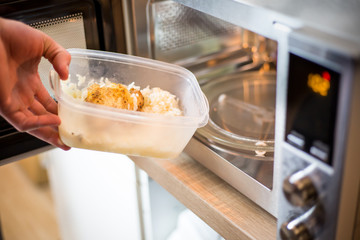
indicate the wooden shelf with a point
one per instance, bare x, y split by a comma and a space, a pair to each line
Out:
222, 207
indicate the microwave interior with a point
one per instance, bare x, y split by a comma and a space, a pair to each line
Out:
236, 70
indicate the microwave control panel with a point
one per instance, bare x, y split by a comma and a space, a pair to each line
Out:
310, 169
311, 107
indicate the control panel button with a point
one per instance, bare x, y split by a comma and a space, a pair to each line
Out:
320, 150
296, 139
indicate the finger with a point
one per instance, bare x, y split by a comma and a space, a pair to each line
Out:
44, 98
35, 122
58, 57
36, 108
49, 135
27, 121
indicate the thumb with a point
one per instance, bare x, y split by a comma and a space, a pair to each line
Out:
57, 56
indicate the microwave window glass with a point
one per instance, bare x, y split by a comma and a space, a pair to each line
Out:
311, 107
68, 31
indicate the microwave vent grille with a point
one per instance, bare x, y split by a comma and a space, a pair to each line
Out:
58, 20
176, 26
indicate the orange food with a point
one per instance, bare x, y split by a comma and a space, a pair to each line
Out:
115, 95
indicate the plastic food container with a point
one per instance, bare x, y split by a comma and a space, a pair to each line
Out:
96, 127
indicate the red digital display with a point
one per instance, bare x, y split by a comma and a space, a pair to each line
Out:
326, 75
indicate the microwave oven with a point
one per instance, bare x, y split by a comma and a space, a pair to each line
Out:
290, 69
283, 82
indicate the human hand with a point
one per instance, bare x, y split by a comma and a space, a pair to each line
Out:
24, 101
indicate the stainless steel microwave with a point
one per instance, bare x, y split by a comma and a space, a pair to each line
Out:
283, 83
282, 79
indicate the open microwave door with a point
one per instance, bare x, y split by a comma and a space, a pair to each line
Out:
73, 24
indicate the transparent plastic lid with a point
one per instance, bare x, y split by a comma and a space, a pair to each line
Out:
242, 112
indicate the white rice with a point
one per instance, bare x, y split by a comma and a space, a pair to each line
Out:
156, 100
159, 101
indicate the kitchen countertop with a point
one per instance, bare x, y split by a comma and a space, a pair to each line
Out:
222, 207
